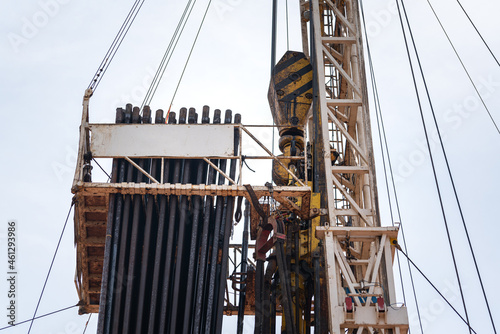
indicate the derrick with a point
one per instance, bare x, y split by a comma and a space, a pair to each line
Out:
332, 272
153, 243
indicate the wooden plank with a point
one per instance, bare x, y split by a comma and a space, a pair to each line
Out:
85, 309
95, 201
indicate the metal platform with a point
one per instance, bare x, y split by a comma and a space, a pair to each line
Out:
93, 198
91, 218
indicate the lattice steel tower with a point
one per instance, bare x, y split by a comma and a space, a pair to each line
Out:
358, 251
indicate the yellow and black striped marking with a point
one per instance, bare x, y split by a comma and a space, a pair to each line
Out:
291, 90
292, 78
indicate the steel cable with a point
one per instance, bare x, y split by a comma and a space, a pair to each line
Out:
435, 288
87, 324
115, 45
51, 264
453, 184
102, 169
111, 47
39, 317
274, 22
189, 56
168, 53
461, 62
486, 44
287, 33
381, 128
430, 152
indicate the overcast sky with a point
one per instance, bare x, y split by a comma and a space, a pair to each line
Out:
50, 50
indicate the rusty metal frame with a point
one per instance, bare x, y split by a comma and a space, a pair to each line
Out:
90, 192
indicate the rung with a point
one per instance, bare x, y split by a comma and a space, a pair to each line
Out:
349, 169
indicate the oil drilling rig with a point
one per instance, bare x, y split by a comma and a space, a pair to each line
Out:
153, 243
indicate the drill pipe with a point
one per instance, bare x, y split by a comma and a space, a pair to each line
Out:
185, 225
259, 309
147, 262
267, 303
244, 255
201, 178
227, 225
122, 265
109, 229
166, 261
178, 269
204, 253
286, 296
219, 208
176, 177
160, 244
115, 238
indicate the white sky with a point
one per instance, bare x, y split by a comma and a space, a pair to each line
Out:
59, 44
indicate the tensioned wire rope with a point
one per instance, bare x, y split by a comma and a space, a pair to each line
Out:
46, 315
477, 30
464, 67
110, 54
398, 247
274, 15
87, 324
274, 32
448, 165
189, 56
377, 113
115, 45
168, 53
287, 33
383, 142
38, 317
431, 157
51, 265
